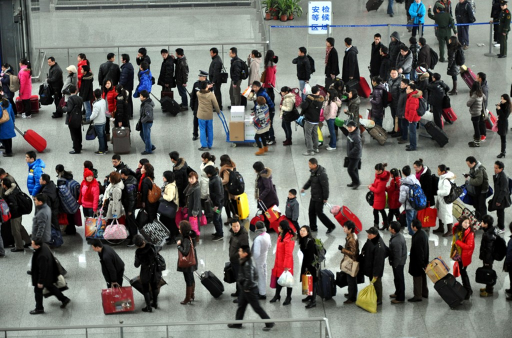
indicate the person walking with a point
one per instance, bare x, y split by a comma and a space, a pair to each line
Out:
7, 128
501, 197
331, 106
185, 243
437, 90
378, 188
112, 266
99, 120
288, 114
350, 63
284, 259
206, 102
397, 259
25, 78
418, 261
181, 75
445, 23
503, 29
73, 110
350, 251
374, 255
403, 124
214, 74
150, 274
259, 250
319, 183
42, 221
407, 183
303, 70
354, 154
239, 238
311, 108
444, 210
308, 248
503, 111
332, 67
464, 15
247, 280
486, 251
463, 245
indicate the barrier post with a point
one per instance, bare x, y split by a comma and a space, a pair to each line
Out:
490, 54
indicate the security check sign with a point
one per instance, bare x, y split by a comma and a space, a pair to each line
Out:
319, 16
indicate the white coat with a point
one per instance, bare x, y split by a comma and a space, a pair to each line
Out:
444, 210
204, 181
260, 247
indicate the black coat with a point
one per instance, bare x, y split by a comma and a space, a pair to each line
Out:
308, 249
236, 241
146, 258
436, 91
144, 58
167, 73
44, 268
453, 67
86, 88
112, 266
181, 72
50, 190
184, 248
385, 68
236, 69
503, 114
109, 71
181, 175
424, 55
247, 277
122, 113
303, 67
267, 190
418, 257
193, 193
129, 196
394, 48
501, 191
73, 108
215, 69
487, 245
10, 197
333, 64
55, 79
194, 102
350, 65
374, 254
311, 107
375, 59
427, 186
151, 208
319, 184
216, 191
126, 77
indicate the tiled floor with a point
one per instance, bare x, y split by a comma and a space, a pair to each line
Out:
431, 318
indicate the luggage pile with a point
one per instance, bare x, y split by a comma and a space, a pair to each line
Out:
451, 291
272, 215
343, 214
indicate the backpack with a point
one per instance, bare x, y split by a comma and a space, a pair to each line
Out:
74, 188
261, 117
320, 252
68, 202
236, 185
459, 57
56, 238
244, 72
4, 210
434, 58
14, 83
417, 198
154, 194
499, 249
311, 64
24, 203
45, 95
422, 108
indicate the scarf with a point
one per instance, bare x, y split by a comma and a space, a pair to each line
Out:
88, 193
418, 174
140, 182
327, 52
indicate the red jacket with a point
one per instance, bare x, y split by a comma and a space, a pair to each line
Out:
393, 190
284, 255
411, 106
270, 77
379, 190
111, 100
79, 71
467, 244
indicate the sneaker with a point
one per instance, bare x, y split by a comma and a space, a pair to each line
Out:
24, 116
482, 138
271, 143
217, 238
307, 153
72, 152
330, 149
146, 153
99, 152
202, 149
317, 151
500, 231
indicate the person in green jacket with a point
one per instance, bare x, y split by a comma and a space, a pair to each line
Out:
444, 22
503, 29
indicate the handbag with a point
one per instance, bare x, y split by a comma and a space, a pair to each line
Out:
341, 279
455, 192
263, 76
369, 197
485, 275
116, 300
154, 194
142, 218
138, 126
229, 273
167, 209
155, 232
223, 75
115, 231
194, 224
91, 133
188, 260
60, 284
203, 220
427, 217
5, 116
349, 266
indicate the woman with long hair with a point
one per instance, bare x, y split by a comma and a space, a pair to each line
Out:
287, 107
475, 103
331, 106
115, 208
268, 78
193, 195
309, 262
351, 250
122, 115
454, 48
25, 78
207, 160
393, 193
150, 274
463, 245
503, 112
284, 259
186, 243
226, 166
110, 95
145, 185
378, 187
170, 194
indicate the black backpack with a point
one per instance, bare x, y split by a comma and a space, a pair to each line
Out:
499, 249
244, 72
434, 58
422, 108
236, 185
459, 57
24, 203
311, 64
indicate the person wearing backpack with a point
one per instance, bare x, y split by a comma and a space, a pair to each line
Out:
7, 73
437, 90
377, 101
455, 60
486, 251
303, 70
501, 198
11, 196
411, 114
407, 183
257, 91
235, 73
475, 103
444, 210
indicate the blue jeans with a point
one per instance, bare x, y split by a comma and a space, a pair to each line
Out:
407, 76
332, 132
302, 84
378, 121
390, 6
217, 222
88, 110
145, 135
409, 216
412, 134
206, 133
100, 131
404, 128
183, 94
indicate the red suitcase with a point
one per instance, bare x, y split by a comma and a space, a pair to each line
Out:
468, 76
491, 120
34, 104
449, 115
346, 215
117, 300
364, 89
34, 139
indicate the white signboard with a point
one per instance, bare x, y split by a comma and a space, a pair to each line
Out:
319, 15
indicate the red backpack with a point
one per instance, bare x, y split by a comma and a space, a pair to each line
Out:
4, 209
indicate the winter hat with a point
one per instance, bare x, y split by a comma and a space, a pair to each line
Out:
71, 68
202, 73
87, 173
421, 70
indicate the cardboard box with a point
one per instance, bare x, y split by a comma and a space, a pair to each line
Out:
250, 131
237, 114
437, 269
236, 131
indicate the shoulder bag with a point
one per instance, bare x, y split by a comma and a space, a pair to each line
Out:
154, 194
188, 260
91, 133
160, 261
5, 116
349, 266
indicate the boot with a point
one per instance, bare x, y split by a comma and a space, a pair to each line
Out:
448, 232
260, 151
192, 293
440, 229
187, 297
312, 302
155, 299
454, 89
265, 149
288, 299
147, 298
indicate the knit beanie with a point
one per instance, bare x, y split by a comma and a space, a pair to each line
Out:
87, 173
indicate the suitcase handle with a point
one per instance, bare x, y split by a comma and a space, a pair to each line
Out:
155, 97
19, 131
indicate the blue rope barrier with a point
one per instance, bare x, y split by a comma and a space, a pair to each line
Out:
383, 25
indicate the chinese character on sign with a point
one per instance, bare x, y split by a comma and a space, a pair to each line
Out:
319, 16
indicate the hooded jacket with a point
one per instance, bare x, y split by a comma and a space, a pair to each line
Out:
146, 111
115, 197
303, 67
79, 67
71, 79
394, 48
377, 102
236, 241
350, 65
265, 189
145, 82
397, 250
311, 108
404, 190
35, 170
378, 187
86, 91
478, 177
445, 210
319, 183
412, 105
166, 76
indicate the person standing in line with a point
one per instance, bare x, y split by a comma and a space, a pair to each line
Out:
332, 67
257, 92
504, 28
287, 108
166, 77
86, 91
214, 74
424, 175
463, 245
145, 80
404, 62
265, 191
455, 56
378, 188
409, 180
437, 90
495, 15
35, 170
354, 154
260, 247
503, 111
129, 201
501, 197
216, 192
99, 118
109, 70
482, 78
508, 265
44, 274
239, 238
374, 255
445, 23
25, 78
247, 280
7, 72
169, 194
292, 208
126, 80
11, 193
411, 114
308, 248
486, 251
393, 83
478, 178
394, 48
311, 108
418, 261
55, 81
254, 62
385, 65
377, 101
42, 221
150, 274
393, 194
376, 57
400, 112
284, 259
351, 250
112, 266
142, 56
303, 69
268, 78
424, 52
397, 259
417, 13
444, 210
331, 106
350, 64
181, 75
89, 194
122, 113
7, 128
73, 110
194, 102
207, 102
146, 121
82, 61
319, 183
186, 243
71, 79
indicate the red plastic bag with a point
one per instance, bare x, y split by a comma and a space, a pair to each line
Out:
117, 300
273, 280
456, 269
203, 221
181, 215
428, 217
275, 224
194, 224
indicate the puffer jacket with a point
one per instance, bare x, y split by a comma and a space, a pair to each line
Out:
80, 75
71, 79
377, 102
284, 255
265, 189
374, 254
412, 105
303, 68
25, 83
319, 184
122, 114
331, 109
287, 104
353, 109
487, 245
99, 110
129, 198
204, 181
404, 190
35, 170
444, 210
95, 190
115, 205
475, 104
378, 187
207, 101
397, 250
181, 71
394, 48
254, 69
402, 102
393, 191
235, 70
262, 92
170, 193
417, 12
247, 277
404, 62
126, 77
478, 177
110, 96
166, 76
311, 108
394, 89
146, 111
270, 75
236, 241
145, 82
466, 243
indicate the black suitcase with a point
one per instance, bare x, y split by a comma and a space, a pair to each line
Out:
167, 92
437, 134
452, 292
373, 5
169, 105
137, 285
326, 285
211, 283
485, 275
352, 84
121, 140
379, 134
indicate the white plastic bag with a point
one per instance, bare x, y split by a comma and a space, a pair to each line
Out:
307, 89
286, 279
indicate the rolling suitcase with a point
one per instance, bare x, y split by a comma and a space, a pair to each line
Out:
452, 292
379, 134
121, 140
346, 215
449, 115
437, 134
34, 139
211, 283
467, 75
34, 104
326, 285
169, 105
242, 204
373, 5
167, 93
490, 121
364, 88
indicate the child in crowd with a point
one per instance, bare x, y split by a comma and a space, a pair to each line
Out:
292, 209
261, 121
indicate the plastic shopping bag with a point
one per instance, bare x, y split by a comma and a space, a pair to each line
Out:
307, 284
307, 89
247, 91
286, 279
367, 299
